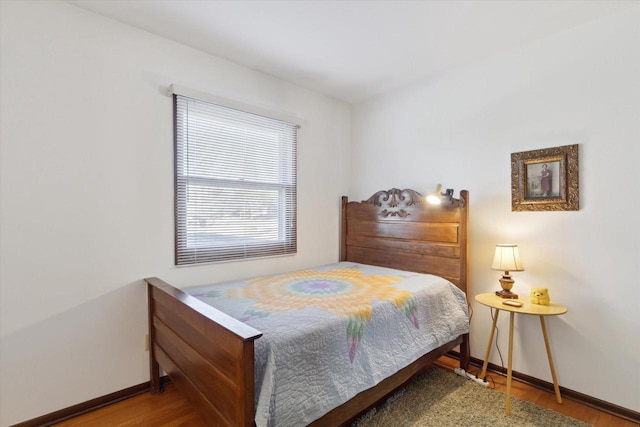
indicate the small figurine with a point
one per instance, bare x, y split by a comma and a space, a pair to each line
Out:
540, 296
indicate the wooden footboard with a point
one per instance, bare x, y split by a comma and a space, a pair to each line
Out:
206, 353
210, 357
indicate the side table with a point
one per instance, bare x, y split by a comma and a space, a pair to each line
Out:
494, 301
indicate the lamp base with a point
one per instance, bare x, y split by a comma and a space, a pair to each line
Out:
506, 294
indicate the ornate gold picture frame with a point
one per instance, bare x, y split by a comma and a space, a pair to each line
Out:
545, 180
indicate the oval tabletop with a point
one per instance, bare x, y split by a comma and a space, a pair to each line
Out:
492, 300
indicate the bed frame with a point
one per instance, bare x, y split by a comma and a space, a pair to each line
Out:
210, 355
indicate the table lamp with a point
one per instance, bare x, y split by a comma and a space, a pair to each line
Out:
507, 259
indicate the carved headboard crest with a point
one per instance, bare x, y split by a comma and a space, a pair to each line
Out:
393, 199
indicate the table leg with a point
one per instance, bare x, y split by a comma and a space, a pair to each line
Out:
509, 369
488, 353
553, 371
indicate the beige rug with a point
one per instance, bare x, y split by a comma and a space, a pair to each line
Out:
442, 398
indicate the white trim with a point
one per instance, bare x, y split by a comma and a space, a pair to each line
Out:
237, 105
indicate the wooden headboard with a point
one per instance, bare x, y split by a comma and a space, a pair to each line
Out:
399, 229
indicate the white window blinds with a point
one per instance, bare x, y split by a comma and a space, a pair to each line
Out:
235, 178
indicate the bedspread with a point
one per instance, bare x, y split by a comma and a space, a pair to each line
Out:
336, 330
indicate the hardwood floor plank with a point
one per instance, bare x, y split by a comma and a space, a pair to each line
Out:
167, 409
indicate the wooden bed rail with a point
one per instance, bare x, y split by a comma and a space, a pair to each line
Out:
206, 353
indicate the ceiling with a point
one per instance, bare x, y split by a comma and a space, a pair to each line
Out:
353, 50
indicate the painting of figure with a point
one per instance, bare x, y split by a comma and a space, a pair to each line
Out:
543, 180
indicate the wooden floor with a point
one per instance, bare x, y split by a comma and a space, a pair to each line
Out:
171, 409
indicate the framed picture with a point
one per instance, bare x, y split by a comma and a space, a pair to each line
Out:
545, 180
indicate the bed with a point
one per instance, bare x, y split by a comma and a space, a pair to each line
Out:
211, 356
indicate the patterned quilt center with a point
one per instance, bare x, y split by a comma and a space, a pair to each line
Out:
345, 292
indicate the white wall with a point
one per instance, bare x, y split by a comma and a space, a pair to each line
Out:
579, 87
87, 195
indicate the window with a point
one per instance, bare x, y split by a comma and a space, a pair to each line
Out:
235, 177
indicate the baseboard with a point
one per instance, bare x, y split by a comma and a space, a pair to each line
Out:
88, 406
581, 398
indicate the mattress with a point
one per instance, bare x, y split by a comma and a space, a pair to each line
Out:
333, 331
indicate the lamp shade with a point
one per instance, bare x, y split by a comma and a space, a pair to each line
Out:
507, 258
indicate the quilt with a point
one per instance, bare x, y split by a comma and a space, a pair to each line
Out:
333, 331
